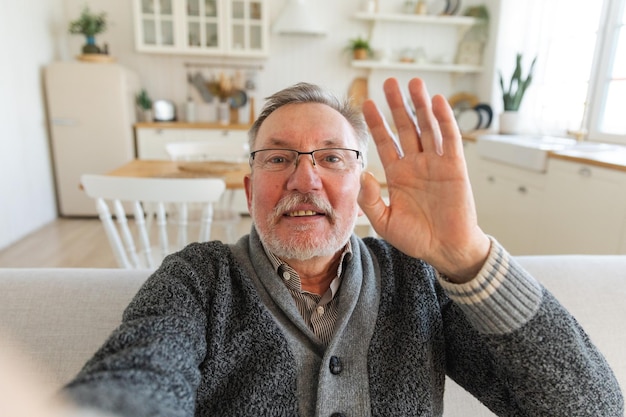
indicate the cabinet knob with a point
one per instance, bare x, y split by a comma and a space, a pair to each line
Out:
522, 189
491, 179
584, 172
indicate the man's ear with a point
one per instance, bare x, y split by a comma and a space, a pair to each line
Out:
247, 183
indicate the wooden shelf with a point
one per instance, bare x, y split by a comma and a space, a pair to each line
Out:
434, 67
415, 18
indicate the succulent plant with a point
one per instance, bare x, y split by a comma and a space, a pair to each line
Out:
512, 96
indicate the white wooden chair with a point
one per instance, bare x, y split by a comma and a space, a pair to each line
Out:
123, 198
225, 214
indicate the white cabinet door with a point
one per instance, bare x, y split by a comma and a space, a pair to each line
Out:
508, 202
207, 27
247, 28
585, 209
151, 141
156, 26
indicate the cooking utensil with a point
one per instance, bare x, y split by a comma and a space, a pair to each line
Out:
201, 85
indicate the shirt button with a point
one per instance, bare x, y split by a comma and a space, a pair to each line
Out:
320, 310
335, 365
286, 276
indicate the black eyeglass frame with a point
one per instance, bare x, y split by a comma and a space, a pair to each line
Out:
359, 154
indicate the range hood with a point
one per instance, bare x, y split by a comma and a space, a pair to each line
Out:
298, 18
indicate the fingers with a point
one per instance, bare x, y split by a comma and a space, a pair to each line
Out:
425, 131
427, 123
386, 144
450, 133
370, 201
403, 117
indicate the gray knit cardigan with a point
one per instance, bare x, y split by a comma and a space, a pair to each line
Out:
214, 332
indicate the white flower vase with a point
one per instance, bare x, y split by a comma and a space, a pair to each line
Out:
510, 123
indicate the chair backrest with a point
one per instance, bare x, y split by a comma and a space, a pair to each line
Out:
126, 199
207, 151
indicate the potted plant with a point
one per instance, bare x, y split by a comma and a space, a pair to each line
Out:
144, 103
513, 94
89, 24
359, 47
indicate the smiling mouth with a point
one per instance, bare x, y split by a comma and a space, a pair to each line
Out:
303, 213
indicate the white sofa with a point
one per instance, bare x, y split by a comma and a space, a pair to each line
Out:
59, 317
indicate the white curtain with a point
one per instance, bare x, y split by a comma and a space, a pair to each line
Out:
562, 34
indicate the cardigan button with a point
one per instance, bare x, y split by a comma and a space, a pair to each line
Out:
335, 365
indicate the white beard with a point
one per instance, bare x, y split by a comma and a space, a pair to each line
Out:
303, 243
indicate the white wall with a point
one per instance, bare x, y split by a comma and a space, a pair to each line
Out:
28, 29
26, 186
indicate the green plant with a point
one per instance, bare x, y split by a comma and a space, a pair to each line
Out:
358, 43
88, 24
143, 100
512, 96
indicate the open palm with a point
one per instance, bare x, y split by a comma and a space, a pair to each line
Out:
431, 213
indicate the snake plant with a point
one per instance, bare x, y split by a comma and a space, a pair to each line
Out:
512, 96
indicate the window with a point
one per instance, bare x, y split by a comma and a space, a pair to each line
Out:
607, 95
579, 84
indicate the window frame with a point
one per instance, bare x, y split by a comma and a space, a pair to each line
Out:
600, 77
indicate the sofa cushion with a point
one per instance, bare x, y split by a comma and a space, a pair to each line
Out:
60, 317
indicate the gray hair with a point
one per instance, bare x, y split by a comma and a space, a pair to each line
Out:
311, 93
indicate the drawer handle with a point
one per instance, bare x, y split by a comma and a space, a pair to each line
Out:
584, 172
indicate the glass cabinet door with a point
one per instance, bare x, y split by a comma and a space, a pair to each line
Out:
213, 27
247, 26
157, 23
203, 24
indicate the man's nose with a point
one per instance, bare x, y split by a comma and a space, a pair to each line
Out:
305, 175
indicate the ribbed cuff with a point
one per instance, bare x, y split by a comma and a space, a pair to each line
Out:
502, 297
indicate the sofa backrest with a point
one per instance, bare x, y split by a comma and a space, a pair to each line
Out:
61, 316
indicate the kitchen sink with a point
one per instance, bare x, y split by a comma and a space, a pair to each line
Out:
528, 152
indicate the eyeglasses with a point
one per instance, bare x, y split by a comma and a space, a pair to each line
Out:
332, 159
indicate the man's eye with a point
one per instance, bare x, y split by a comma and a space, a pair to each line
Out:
277, 159
332, 158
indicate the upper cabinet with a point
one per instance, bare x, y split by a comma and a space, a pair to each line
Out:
207, 27
403, 41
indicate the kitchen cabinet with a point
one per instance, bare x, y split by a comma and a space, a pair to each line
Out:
421, 42
151, 141
584, 209
508, 203
238, 28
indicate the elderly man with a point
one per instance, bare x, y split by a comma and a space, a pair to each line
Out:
301, 317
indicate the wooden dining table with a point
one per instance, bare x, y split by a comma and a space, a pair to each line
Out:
232, 172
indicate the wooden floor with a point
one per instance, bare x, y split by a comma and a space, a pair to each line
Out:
71, 243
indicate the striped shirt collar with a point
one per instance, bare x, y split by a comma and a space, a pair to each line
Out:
281, 266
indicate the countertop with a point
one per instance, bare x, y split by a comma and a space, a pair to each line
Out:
189, 125
613, 158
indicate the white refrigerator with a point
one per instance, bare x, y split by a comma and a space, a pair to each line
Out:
91, 112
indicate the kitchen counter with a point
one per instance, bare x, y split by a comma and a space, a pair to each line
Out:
605, 155
188, 125
614, 158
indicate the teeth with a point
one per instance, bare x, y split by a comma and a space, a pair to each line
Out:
301, 213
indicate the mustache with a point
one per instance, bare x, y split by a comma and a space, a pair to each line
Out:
291, 201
